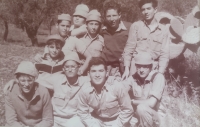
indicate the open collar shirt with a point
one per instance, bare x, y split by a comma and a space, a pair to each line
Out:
36, 112
154, 40
114, 102
65, 98
151, 87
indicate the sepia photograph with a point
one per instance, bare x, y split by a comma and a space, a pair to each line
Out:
99, 63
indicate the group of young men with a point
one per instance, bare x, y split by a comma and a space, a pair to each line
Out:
76, 82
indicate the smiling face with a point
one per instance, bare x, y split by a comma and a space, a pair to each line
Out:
54, 48
70, 68
93, 27
63, 28
143, 70
98, 74
78, 21
112, 18
148, 11
26, 82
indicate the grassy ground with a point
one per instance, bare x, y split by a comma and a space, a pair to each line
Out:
181, 109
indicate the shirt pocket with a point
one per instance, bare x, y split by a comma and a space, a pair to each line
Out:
111, 108
59, 100
137, 91
157, 42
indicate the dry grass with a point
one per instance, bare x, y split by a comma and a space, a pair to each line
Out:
10, 57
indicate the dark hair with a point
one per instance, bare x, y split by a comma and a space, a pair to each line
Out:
97, 61
56, 42
111, 5
142, 2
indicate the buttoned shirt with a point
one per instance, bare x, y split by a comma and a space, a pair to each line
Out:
65, 98
80, 45
114, 102
150, 88
93, 45
36, 112
142, 39
115, 42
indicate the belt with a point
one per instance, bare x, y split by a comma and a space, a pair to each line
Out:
103, 118
114, 64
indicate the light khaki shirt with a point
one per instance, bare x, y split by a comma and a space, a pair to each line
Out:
114, 101
142, 38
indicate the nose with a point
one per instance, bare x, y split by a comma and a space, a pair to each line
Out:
112, 18
97, 74
142, 69
26, 83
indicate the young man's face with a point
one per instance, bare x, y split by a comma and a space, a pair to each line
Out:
143, 70
98, 74
26, 82
70, 69
63, 28
54, 49
112, 18
78, 20
148, 11
93, 27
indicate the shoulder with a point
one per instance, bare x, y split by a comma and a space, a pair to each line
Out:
87, 88
127, 24
43, 91
83, 80
101, 38
159, 76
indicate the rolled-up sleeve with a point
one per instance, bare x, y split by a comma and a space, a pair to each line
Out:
126, 109
73, 44
47, 113
130, 45
164, 54
158, 86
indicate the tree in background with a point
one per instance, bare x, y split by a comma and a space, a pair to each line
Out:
29, 14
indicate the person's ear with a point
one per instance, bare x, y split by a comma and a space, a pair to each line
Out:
56, 25
156, 9
120, 15
107, 73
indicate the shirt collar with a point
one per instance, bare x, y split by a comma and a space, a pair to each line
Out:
66, 82
147, 79
121, 27
36, 93
157, 25
87, 35
105, 87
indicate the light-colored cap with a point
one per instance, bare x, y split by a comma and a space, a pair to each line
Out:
176, 28
166, 17
27, 67
82, 7
143, 58
196, 12
191, 35
95, 12
81, 13
55, 37
72, 56
93, 17
66, 17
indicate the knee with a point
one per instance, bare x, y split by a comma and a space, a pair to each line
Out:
141, 109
